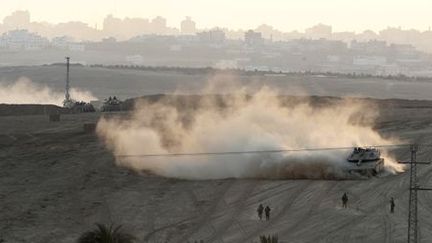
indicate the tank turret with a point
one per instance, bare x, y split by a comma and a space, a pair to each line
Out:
365, 161
112, 104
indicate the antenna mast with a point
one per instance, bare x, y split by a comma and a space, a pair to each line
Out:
67, 100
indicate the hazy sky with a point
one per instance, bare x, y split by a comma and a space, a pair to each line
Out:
283, 14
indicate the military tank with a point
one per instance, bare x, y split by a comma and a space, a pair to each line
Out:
78, 106
365, 161
112, 104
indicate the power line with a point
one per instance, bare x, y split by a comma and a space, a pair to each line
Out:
413, 200
254, 151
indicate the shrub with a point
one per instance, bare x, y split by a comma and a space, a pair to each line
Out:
105, 234
269, 239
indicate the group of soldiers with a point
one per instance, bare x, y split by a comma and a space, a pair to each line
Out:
345, 202
261, 209
266, 210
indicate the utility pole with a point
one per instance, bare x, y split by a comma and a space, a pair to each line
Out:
413, 188
67, 102
67, 95
412, 204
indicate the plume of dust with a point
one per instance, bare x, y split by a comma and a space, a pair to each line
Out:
24, 91
249, 122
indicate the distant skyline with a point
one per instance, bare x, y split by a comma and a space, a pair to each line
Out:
343, 15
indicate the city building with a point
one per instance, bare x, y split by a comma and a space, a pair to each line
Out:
369, 61
17, 20
188, 26
319, 31
253, 38
23, 39
158, 25
61, 42
372, 46
215, 36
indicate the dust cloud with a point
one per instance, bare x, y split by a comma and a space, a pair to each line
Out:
24, 91
242, 122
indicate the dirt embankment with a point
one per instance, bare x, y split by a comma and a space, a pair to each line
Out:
22, 110
193, 102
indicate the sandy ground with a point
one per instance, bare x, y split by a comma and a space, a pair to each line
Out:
57, 181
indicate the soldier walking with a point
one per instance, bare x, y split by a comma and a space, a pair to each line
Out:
392, 205
344, 200
267, 212
260, 210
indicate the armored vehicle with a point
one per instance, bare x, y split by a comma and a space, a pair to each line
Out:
365, 161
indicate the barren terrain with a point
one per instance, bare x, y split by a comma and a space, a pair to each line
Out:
127, 83
56, 181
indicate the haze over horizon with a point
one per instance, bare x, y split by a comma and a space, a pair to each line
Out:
307, 36
342, 15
